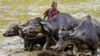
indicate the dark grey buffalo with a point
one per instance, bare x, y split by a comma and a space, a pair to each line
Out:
51, 27
97, 25
29, 39
84, 36
15, 30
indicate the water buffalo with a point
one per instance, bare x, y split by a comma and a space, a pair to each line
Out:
15, 30
29, 39
51, 27
97, 25
84, 36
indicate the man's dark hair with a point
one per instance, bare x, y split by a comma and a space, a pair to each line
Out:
53, 3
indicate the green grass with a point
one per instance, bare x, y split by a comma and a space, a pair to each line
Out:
18, 10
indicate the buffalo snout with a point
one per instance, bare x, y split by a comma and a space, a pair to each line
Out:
4, 34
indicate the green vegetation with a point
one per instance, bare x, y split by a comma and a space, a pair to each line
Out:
12, 11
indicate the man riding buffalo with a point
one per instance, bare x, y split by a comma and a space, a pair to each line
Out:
51, 27
49, 13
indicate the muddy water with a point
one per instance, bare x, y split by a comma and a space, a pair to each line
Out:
14, 47
12, 11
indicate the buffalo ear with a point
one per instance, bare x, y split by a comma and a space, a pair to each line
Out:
44, 25
43, 22
46, 28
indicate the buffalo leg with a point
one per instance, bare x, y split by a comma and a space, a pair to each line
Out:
47, 44
94, 51
25, 45
31, 46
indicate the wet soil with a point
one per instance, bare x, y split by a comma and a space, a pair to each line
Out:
14, 47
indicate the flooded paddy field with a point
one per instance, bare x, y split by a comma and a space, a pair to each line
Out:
13, 11
14, 47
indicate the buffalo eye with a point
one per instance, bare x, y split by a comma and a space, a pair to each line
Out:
15, 28
72, 30
83, 33
31, 28
10, 31
64, 38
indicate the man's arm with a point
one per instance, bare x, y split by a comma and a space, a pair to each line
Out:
44, 17
49, 15
45, 14
58, 11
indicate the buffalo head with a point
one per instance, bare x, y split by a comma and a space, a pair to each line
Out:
12, 30
63, 40
34, 27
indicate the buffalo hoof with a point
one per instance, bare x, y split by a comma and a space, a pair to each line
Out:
43, 54
44, 50
69, 53
52, 48
25, 49
30, 50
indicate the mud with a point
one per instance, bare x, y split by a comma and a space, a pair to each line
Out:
14, 47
